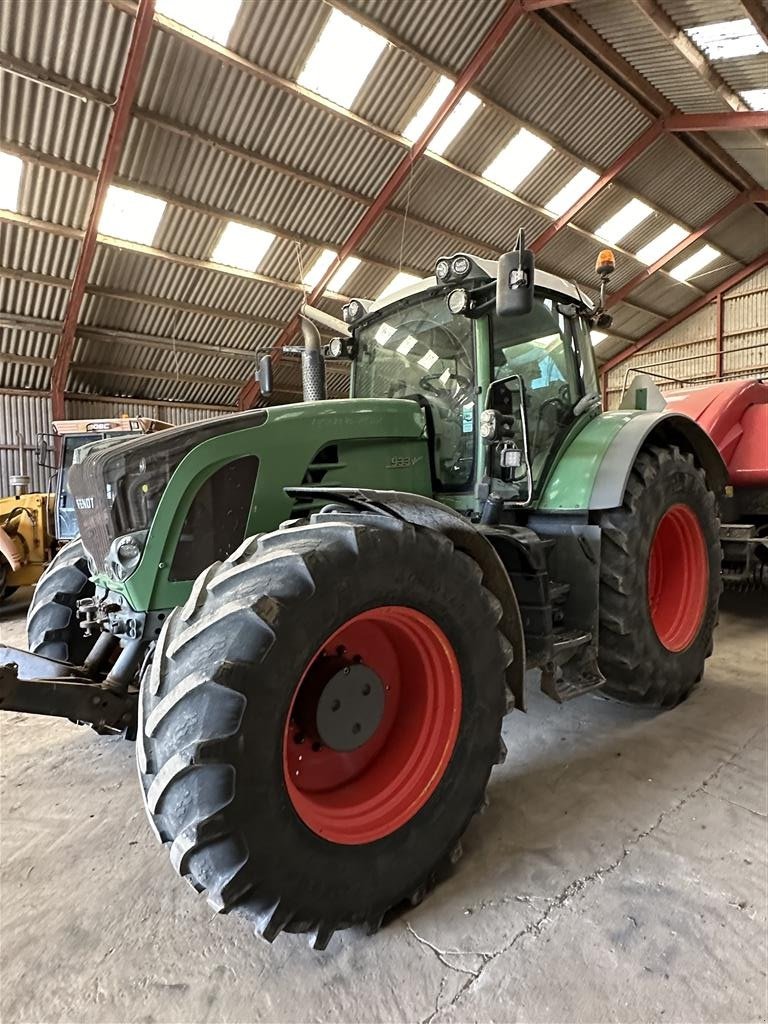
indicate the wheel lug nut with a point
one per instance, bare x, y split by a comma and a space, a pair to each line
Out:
335, 705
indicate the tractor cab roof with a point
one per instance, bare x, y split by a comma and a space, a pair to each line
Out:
489, 270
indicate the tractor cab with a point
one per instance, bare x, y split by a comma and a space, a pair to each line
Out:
502, 387
56, 451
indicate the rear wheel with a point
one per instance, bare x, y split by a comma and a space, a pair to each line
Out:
52, 627
660, 581
320, 720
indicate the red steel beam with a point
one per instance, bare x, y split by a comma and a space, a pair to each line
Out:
622, 161
509, 17
756, 196
142, 30
689, 310
729, 121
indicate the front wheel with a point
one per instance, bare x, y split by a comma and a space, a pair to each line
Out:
320, 720
660, 580
53, 630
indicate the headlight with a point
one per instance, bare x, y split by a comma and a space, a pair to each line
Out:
489, 424
442, 269
335, 348
125, 554
460, 266
352, 311
458, 300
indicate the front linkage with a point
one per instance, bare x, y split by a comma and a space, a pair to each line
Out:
40, 686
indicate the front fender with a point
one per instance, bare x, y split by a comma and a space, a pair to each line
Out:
421, 511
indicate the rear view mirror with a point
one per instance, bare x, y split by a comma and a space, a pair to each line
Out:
44, 453
514, 284
264, 376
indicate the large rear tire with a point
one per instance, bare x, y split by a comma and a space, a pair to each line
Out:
52, 627
660, 581
282, 790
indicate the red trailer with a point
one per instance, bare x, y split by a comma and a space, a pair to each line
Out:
735, 415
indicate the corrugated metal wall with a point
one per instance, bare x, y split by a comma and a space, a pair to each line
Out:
30, 415
689, 352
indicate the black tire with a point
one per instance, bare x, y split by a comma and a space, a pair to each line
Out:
52, 626
638, 667
215, 701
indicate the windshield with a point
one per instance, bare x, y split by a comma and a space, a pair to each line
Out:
66, 514
540, 348
424, 352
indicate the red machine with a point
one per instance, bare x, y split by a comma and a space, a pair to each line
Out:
735, 415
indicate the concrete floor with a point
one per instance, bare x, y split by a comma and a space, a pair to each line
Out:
619, 875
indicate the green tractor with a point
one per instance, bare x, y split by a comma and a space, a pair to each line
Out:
313, 618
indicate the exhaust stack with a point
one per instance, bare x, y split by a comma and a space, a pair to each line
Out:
312, 363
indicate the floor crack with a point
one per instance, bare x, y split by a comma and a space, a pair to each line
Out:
571, 890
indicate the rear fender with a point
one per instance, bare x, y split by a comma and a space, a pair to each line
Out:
421, 511
660, 428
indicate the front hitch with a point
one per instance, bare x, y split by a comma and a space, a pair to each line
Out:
35, 685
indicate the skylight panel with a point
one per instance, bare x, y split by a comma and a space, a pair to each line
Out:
701, 258
756, 98
429, 359
399, 281
131, 215
621, 223
242, 246
341, 59
662, 243
318, 268
11, 168
428, 109
345, 271
597, 336
212, 20
516, 161
453, 124
572, 191
723, 40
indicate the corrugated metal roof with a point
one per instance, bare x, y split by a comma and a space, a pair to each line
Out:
627, 30
541, 81
533, 77
447, 32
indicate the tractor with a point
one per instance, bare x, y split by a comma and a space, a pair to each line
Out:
313, 617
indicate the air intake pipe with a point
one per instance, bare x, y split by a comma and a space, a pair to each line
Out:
312, 363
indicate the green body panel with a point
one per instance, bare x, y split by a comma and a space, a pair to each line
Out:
381, 443
572, 478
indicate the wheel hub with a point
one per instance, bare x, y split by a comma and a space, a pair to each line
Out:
350, 708
372, 725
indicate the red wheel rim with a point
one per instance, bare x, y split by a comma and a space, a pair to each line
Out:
361, 795
678, 578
